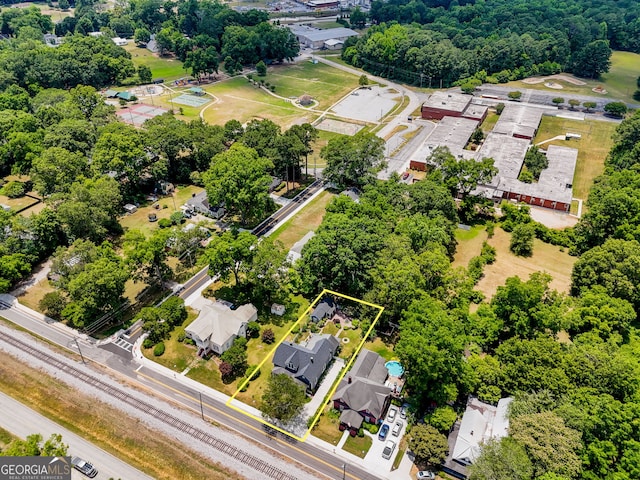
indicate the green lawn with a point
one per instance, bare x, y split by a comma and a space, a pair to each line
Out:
326, 428
489, 122
177, 355
239, 100
315, 160
324, 83
383, 349
620, 81
309, 218
167, 68
358, 446
593, 147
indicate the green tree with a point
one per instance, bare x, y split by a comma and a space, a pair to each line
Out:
261, 68
558, 101
236, 356
230, 253
141, 36
56, 169
550, 444
515, 95
146, 257
432, 342
144, 74
239, 179
64, 5
521, 242
13, 267
283, 398
353, 161
52, 304
617, 109
589, 106
461, 176
592, 60
267, 272
443, 418
33, 446
201, 61
501, 459
428, 444
573, 103
363, 81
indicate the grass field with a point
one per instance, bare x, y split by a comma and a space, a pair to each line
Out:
315, 161
107, 427
309, 218
324, 83
620, 81
489, 122
241, 101
161, 67
358, 446
593, 147
35, 293
545, 258
469, 245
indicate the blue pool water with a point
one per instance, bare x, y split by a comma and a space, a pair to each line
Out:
394, 368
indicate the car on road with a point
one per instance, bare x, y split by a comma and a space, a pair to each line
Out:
382, 434
389, 447
391, 415
395, 431
84, 467
425, 475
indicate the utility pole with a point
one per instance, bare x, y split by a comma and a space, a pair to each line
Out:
80, 351
344, 471
201, 408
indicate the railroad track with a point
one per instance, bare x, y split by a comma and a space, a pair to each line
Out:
220, 445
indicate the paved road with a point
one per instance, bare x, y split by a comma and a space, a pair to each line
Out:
24, 421
308, 454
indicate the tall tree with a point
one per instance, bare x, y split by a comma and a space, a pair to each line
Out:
283, 398
502, 459
231, 253
239, 179
353, 161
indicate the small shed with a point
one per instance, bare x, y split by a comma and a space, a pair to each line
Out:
111, 93
130, 208
196, 91
277, 309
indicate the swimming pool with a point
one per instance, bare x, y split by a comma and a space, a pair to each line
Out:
394, 368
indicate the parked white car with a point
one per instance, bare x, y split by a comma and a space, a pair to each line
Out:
391, 414
389, 447
395, 431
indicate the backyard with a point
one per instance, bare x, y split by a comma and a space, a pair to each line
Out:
546, 258
167, 68
593, 146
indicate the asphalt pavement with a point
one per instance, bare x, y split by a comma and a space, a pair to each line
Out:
24, 421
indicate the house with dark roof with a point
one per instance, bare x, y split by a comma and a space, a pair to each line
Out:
325, 309
306, 363
362, 395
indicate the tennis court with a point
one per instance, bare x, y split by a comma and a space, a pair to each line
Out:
191, 100
140, 113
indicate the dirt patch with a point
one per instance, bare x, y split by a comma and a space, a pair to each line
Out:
546, 258
337, 126
564, 78
599, 89
554, 85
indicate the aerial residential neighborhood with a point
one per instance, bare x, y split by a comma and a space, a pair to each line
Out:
320, 239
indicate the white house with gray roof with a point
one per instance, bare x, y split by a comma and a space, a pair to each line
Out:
218, 326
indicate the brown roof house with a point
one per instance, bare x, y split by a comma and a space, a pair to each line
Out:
306, 363
362, 394
218, 326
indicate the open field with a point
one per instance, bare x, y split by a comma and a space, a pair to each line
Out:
240, 100
167, 68
309, 218
546, 258
593, 147
619, 82
469, 245
324, 83
31, 298
107, 427
315, 161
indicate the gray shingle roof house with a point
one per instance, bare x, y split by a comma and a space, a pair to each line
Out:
200, 203
306, 364
363, 391
326, 308
218, 326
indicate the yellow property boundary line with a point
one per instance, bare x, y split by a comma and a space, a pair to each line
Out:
336, 383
